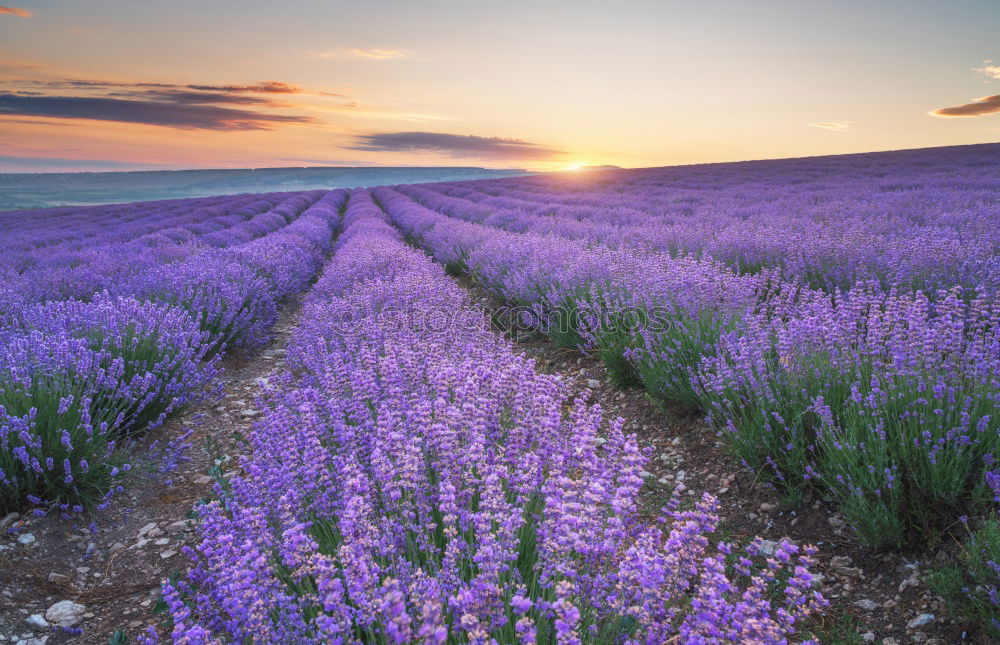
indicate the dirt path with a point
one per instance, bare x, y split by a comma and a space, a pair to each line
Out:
114, 567
875, 597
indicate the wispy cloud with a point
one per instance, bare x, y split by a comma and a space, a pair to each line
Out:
455, 145
978, 107
173, 115
15, 11
378, 54
989, 70
266, 87
836, 126
367, 53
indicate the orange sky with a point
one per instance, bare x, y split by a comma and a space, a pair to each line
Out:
117, 84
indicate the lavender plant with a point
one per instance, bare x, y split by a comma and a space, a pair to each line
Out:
415, 480
971, 587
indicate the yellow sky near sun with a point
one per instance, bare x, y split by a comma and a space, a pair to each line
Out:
520, 85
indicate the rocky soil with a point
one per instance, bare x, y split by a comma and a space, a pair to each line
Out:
80, 581
875, 597
70, 582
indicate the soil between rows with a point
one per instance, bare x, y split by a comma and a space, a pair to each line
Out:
116, 566
683, 449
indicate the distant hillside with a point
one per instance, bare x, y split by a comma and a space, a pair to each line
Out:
41, 190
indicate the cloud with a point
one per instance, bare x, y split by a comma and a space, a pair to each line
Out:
193, 97
370, 54
172, 115
378, 54
988, 70
836, 126
455, 145
979, 107
15, 11
267, 87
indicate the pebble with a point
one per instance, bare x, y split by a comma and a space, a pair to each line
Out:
58, 578
155, 533
767, 507
26, 539
912, 581
116, 547
593, 383
168, 554
36, 621
178, 526
146, 529
866, 605
203, 479
767, 547
65, 613
162, 542
868, 637
249, 413
920, 621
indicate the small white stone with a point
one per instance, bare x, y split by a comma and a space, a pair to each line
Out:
593, 383
168, 554
866, 605
162, 542
36, 621
65, 613
768, 547
920, 621
146, 529
868, 637
26, 539
178, 526
155, 533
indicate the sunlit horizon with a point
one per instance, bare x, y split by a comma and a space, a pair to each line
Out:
127, 86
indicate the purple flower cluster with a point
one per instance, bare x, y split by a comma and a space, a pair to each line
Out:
158, 292
884, 398
414, 480
913, 219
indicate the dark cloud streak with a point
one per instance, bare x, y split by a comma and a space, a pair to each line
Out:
266, 87
15, 11
455, 145
979, 107
173, 115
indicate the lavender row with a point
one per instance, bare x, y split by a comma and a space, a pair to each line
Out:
887, 401
106, 253
915, 220
414, 480
80, 379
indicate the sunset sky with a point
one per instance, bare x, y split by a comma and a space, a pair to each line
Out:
123, 84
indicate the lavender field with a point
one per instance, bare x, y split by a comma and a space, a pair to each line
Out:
414, 477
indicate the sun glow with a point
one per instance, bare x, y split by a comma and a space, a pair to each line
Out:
576, 165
